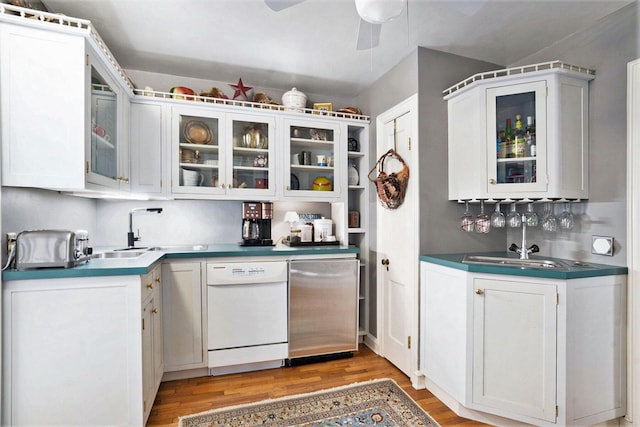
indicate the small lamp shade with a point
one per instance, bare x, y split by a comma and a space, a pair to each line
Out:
291, 217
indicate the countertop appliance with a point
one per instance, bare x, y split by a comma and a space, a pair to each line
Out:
256, 223
247, 316
50, 248
323, 307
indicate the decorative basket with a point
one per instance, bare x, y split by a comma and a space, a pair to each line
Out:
391, 187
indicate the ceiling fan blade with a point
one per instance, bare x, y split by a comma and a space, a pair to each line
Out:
368, 35
278, 5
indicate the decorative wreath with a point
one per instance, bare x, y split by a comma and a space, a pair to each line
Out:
391, 187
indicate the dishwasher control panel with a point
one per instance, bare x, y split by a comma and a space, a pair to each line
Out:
231, 273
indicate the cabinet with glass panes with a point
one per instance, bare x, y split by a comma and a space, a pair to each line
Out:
222, 153
313, 159
520, 133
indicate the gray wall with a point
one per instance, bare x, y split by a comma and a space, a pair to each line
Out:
607, 47
426, 72
439, 218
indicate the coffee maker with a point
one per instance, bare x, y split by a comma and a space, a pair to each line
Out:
256, 223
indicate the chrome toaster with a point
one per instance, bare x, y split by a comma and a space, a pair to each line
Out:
48, 248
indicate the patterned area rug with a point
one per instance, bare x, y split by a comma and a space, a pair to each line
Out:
379, 403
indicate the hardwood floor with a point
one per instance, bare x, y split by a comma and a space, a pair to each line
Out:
184, 397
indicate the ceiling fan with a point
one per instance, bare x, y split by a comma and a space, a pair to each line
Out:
373, 13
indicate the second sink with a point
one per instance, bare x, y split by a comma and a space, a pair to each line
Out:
513, 262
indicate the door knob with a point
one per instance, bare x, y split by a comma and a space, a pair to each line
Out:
479, 291
385, 262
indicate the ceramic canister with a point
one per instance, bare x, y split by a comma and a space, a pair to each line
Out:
294, 100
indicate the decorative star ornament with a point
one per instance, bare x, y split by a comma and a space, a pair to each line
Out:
240, 89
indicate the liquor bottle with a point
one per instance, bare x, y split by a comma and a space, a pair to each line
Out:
508, 131
519, 147
530, 136
508, 140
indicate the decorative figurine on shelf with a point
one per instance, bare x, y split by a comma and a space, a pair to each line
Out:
241, 89
352, 144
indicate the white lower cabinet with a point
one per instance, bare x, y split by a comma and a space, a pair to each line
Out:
71, 354
547, 352
183, 302
152, 337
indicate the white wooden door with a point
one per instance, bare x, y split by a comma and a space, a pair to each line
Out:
514, 348
398, 234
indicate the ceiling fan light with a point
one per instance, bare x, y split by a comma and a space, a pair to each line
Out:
379, 11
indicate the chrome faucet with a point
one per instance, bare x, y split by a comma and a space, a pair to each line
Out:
131, 238
523, 250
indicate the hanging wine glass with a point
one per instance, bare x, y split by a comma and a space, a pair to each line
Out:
483, 222
566, 217
467, 222
548, 221
497, 219
513, 217
530, 216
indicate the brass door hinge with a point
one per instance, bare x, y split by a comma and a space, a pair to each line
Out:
409, 342
143, 324
556, 410
409, 143
557, 298
87, 166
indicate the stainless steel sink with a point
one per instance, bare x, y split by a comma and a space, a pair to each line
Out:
180, 248
119, 254
544, 264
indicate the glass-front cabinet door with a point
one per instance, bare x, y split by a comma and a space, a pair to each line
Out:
221, 153
516, 153
104, 143
252, 156
313, 160
198, 152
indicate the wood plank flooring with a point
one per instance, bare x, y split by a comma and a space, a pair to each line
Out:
184, 397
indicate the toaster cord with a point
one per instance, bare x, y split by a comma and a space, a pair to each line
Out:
10, 259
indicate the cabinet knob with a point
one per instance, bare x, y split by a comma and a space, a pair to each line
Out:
228, 185
154, 311
492, 181
221, 185
157, 280
150, 286
479, 292
287, 188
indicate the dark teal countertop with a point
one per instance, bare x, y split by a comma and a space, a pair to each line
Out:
144, 263
572, 272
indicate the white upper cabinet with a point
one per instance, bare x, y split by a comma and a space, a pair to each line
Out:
218, 153
313, 159
520, 133
64, 111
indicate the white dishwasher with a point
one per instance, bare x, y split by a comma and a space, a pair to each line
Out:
247, 316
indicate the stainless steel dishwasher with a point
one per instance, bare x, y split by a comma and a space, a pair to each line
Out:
323, 307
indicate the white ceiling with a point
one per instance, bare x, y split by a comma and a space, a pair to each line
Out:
312, 45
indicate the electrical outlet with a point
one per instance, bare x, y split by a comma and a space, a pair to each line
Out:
602, 245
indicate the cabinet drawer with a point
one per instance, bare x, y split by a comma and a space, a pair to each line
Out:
147, 283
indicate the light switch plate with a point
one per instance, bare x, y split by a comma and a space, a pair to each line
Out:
602, 245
